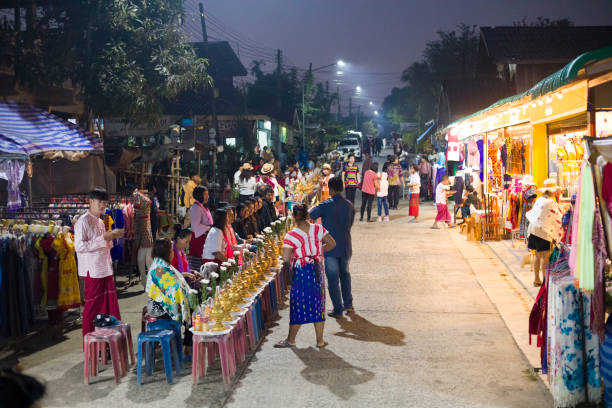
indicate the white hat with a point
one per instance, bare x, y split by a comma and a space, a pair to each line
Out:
527, 180
549, 185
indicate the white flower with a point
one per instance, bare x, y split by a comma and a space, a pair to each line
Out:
283, 218
245, 251
223, 269
214, 275
229, 281
193, 291
226, 264
205, 282
236, 253
209, 289
231, 261
268, 230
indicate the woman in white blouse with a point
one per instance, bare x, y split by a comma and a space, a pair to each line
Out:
215, 246
247, 183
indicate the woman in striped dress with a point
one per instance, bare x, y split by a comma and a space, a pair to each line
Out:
303, 250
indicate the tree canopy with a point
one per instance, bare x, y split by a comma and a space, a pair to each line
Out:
125, 56
451, 56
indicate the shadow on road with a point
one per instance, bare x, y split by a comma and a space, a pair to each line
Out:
361, 329
324, 367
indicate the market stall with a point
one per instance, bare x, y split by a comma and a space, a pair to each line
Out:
37, 255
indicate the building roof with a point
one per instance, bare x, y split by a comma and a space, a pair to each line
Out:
468, 95
222, 58
522, 45
567, 74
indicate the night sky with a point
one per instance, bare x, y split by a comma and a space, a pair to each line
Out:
378, 37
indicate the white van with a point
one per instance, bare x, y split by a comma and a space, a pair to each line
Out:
350, 145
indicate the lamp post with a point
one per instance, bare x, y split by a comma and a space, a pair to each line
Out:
338, 63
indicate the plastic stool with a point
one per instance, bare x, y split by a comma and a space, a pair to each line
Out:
165, 338
128, 345
91, 344
175, 326
225, 353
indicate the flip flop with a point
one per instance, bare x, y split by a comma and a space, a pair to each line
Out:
325, 344
434, 227
284, 344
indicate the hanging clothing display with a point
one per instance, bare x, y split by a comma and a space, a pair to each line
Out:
16, 302
581, 256
69, 294
573, 349
12, 171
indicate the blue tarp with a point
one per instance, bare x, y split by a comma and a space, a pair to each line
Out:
425, 133
26, 130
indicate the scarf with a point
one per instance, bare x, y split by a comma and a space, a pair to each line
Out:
206, 212
167, 287
183, 265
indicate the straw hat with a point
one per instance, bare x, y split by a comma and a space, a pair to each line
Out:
246, 167
326, 166
549, 185
527, 180
267, 168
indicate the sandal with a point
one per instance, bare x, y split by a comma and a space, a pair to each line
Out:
537, 283
434, 227
325, 344
284, 344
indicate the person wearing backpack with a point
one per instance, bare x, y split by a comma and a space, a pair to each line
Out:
382, 194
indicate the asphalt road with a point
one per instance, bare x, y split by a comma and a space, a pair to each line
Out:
425, 334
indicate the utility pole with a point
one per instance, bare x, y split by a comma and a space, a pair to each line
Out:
338, 113
214, 94
279, 61
307, 78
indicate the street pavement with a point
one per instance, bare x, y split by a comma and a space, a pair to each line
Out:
425, 334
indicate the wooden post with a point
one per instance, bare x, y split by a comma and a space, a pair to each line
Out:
142, 174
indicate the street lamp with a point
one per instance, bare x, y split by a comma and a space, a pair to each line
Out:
371, 103
338, 63
358, 89
376, 113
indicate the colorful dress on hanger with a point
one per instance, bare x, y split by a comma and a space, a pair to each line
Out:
69, 293
566, 350
44, 270
143, 236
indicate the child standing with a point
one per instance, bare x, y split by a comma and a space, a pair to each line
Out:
382, 185
414, 182
442, 192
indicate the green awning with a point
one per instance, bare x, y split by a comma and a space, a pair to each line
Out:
552, 82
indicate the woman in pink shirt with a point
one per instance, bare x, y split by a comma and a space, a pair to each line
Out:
201, 221
368, 190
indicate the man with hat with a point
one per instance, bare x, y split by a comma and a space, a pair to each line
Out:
544, 227
92, 244
327, 175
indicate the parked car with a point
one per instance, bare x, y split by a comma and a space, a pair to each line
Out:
350, 145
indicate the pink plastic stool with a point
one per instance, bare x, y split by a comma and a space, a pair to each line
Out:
202, 343
96, 341
126, 331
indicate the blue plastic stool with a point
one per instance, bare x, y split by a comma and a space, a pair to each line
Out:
165, 338
175, 326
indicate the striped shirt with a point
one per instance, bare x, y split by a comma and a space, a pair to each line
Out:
350, 175
305, 245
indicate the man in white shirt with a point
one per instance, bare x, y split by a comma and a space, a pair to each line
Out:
442, 192
92, 245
